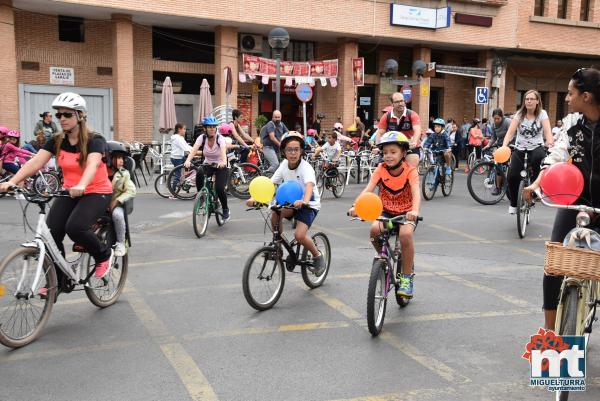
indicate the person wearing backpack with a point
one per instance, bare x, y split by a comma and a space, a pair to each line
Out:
81, 155
213, 148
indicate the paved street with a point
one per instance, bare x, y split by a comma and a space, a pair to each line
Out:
183, 330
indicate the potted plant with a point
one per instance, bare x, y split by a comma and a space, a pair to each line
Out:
259, 122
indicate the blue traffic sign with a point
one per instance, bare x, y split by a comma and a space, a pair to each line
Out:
482, 95
304, 93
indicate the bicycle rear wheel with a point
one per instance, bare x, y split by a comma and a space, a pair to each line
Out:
484, 188
160, 185
263, 278
240, 177
377, 297
183, 187
322, 243
23, 312
105, 291
338, 185
523, 209
429, 183
201, 214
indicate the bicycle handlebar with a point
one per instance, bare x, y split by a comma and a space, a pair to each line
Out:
580, 208
401, 219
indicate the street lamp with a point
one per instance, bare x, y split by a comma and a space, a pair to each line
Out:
279, 39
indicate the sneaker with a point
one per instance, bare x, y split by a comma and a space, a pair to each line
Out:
496, 191
512, 210
103, 268
448, 170
405, 290
319, 264
120, 249
226, 215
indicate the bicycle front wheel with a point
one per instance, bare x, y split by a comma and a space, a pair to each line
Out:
47, 183
263, 278
568, 322
429, 183
25, 311
377, 297
104, 292
448, 183
489, 187
201, 214
338, 185
160, 185
522, 212
322, 243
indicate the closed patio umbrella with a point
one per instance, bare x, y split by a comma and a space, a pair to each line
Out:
168, 117
205, 106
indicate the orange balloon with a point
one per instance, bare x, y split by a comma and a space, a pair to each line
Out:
502, 154
368, 206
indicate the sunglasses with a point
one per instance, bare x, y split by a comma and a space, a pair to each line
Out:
67, 114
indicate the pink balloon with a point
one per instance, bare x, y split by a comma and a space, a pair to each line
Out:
562, 183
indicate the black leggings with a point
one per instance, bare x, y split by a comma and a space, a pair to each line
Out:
74, 217
220, 181
563, 223
534, 159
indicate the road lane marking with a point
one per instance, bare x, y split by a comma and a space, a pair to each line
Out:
430, 363
17, 355
192, 377
164, 226
176, 215
268, 330
190, 259
336, 304
460, 315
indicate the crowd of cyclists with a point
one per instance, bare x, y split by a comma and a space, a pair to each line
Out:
96, 176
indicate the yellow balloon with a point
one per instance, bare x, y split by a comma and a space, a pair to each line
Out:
262, 189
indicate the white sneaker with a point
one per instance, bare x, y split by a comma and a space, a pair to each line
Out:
120, 249
512, 210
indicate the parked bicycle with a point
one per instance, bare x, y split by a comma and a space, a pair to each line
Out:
207, 203
264, 272
28, 281
577, 259
435, 176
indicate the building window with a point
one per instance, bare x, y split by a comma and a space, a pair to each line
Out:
70, 29
562, 8
539, 8
180, 45
296, 51
369, 52
584, 15
561, 105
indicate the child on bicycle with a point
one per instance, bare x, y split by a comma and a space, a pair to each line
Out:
398, 184
123, 191
11, 152
331, 149
295, 168
439, 141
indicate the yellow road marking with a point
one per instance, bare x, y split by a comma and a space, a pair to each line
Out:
336, 304
460, 315
458, 232
190, 259
268, 330
192, 377
165, 226
17, 355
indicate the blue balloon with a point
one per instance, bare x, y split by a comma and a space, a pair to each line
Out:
289, 192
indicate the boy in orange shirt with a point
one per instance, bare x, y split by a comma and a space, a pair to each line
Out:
398, 184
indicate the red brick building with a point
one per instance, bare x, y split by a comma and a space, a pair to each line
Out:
117, 52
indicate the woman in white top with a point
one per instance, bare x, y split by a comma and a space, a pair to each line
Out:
179, 147
532, 126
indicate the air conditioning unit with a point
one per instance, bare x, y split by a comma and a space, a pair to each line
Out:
251, 43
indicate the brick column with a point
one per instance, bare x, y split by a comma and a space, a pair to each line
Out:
9, 101
595, 11
551, 8
346, 100
123, 77
551, 107
573, 10
226, 55
420, 101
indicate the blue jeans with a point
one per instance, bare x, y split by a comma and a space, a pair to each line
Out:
177, 162
30, 148
11, 167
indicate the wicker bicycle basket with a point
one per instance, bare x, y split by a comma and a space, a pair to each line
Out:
573, 262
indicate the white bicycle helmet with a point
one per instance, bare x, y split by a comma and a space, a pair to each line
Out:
70, 100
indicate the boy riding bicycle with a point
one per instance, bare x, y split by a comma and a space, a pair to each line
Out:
439, 142
294, 168
398, 184
331, 149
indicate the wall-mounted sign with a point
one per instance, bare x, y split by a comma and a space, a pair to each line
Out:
62, 76
364, 101
358, 69
420, 17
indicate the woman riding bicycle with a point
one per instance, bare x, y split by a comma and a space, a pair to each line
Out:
214, 150
531, 125
578, 141
79, 153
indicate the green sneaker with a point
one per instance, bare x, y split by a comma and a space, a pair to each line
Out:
405, 290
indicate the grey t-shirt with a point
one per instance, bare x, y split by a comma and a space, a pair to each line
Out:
530, 133
499, 131
278, 129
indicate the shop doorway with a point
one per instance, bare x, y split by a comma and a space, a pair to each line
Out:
365, 105
435, 103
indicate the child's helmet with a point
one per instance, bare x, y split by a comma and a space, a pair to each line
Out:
338, 126
225, 129
394, 137
115, 148
311, 132
14, 133
292, 135
439, 121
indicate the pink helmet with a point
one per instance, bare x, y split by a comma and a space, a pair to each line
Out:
339, 126
4, 131
311, 132
15, 133
225, 129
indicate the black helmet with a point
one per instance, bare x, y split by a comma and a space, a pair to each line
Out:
115, 147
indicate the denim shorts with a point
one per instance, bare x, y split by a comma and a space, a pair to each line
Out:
306, 215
